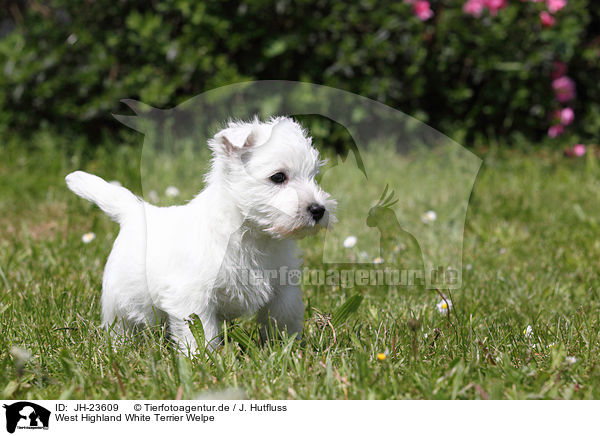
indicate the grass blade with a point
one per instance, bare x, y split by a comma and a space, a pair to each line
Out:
342, 314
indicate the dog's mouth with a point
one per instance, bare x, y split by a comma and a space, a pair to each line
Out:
292, 233
301, 229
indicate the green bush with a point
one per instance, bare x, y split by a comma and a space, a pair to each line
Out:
70, 62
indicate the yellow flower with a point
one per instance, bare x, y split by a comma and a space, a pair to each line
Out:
399, 248
381, 356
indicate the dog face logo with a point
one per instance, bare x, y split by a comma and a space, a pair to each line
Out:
26, 415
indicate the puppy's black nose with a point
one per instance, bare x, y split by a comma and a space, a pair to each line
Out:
317, 211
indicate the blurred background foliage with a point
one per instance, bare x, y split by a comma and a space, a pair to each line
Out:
67, 63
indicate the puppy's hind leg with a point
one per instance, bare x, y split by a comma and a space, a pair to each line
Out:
118, 327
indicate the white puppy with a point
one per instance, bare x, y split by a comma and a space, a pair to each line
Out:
208, 256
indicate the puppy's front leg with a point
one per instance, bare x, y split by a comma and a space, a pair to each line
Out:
285, 311
182, 334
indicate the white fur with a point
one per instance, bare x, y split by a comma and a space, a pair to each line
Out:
168, 263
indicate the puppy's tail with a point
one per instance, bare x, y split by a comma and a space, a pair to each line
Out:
114, 200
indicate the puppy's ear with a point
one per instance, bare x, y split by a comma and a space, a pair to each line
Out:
232, 141
251, 139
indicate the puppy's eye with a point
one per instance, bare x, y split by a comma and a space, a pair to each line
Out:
278, 178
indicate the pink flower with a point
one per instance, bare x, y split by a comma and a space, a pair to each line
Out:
555, 5
567, 116
495, 5
564, 89
422, 10
555, 130
474, 7
579, 150
547, 19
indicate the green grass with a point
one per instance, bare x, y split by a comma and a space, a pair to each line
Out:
531, 238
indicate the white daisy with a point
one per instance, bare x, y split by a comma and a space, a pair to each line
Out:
172, 191
571, 360
88, 237
72, 39
20, 357
20, 354
528, 332
350, 241
153, 196
378, 260
429, 217
444, 305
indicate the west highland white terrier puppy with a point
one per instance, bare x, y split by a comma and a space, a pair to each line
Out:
211, 257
